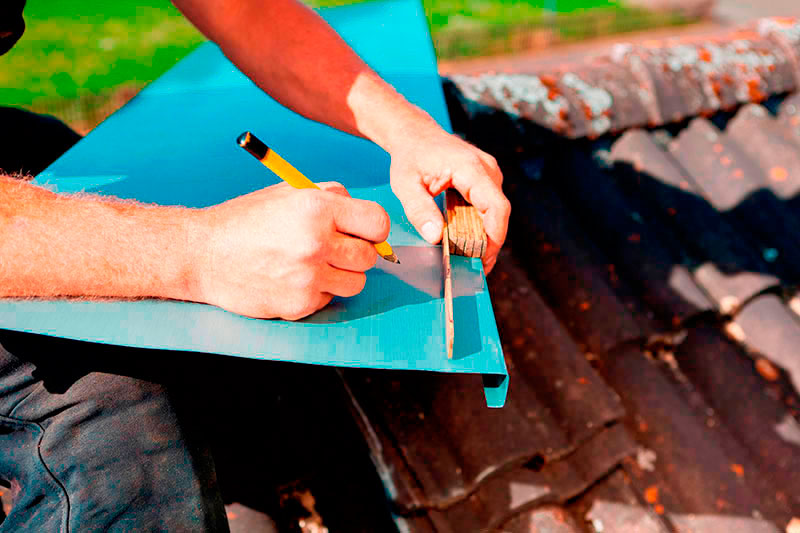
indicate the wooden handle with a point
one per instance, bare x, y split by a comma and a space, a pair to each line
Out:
464, 226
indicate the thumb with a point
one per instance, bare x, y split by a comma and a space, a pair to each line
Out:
421, 209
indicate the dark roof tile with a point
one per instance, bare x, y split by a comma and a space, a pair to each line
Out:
612, 506
646, 304
429, 432
640, 252
733, 184
764, 424
769, 143
698, 466
510, 494
571, 272
717, 166
728, 270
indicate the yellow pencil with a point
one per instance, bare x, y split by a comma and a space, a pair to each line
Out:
285, 171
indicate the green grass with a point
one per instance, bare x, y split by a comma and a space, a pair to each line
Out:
74, 47
81, 48
445, 15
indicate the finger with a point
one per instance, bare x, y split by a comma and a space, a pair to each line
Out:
324, 299
491, 166
494, 207
343, 282
334, 187
350, 253
361, 218
420, 208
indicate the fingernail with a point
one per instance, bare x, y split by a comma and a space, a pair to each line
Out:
431, 231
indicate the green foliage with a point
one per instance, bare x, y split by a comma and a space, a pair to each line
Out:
85, 48
74, 47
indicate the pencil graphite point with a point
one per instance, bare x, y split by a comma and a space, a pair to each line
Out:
391, 257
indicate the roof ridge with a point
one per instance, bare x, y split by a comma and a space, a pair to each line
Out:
650, 84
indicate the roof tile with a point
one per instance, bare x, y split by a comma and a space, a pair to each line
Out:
772, 146
725, 267
649, 85
786, 33
697, 461
572, 273
768, 327
430, 430
647, 302
510, 494
548, 519
640, 252
763, 423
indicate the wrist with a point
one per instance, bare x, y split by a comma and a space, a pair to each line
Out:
195, 235
190, 259
384, 116
412, 123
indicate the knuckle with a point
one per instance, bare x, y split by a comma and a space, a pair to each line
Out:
312, 202
381, 222
367, 255
304, 283
474, 161
312, 247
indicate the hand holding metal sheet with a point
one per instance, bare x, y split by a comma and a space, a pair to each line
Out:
427, 163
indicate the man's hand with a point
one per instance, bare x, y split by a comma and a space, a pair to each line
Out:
277, 252
307, 67
430, 160
284, 253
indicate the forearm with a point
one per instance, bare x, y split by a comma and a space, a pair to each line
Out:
55, 245
291, 53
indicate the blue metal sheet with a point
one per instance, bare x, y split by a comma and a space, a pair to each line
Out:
174, 144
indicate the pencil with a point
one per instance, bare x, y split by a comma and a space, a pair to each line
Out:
285, 171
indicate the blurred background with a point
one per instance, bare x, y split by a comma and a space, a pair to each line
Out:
82, 59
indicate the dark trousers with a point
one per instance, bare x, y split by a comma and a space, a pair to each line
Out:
86, 445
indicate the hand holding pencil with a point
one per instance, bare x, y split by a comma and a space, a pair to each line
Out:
285, 171
283, 252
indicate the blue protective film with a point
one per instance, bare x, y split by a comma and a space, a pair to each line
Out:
174, 144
